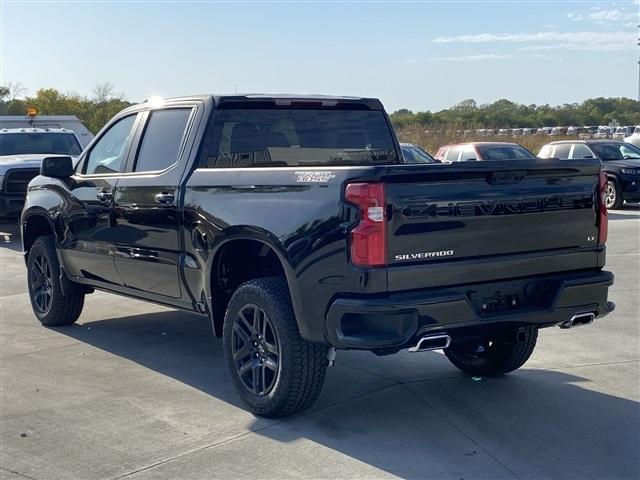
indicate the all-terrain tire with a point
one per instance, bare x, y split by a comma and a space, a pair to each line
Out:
613, 195
497, 358
52, 306
301, 364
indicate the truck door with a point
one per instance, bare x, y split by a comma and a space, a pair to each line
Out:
89, 247
146, 203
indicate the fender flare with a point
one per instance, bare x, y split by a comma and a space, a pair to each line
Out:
259, 235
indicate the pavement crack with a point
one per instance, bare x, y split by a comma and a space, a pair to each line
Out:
597, 364
14, 472
11, 357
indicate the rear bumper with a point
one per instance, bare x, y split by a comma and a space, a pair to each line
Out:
11, 205
396, 321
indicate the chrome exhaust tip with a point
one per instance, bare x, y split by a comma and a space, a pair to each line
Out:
579, 320
431, 342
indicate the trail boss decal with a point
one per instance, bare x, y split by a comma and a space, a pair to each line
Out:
424, 255
314, 176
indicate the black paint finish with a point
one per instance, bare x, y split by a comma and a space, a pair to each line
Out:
163, 236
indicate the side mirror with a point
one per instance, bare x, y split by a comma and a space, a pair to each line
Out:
57, 167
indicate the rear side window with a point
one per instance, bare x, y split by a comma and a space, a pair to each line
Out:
581, 151
468, 154
259, 137
562, 151
453, 154
162, 139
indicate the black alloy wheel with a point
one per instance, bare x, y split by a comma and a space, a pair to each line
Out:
41, 283
256, 350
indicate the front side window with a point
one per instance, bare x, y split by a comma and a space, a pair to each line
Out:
254, 137
442, 154
25, 143
108, 155
413, 154
615, 151
162, 139
545, 152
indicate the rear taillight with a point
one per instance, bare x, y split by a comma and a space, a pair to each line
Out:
369, 237
603, 219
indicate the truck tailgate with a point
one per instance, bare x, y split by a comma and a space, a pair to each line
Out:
477, 221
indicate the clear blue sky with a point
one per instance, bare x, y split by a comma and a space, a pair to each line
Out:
415, 55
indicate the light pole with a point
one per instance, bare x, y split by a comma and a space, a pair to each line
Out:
639, 63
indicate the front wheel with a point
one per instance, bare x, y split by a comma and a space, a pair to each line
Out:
497, 354
52, 306
274, 370
613, 196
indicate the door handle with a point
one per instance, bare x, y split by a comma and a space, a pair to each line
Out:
104, 196
164, 198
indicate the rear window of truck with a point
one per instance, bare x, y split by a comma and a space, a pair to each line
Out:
272, 137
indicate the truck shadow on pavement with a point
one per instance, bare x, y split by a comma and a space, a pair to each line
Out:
534, 423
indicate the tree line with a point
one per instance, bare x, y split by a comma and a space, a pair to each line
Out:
506, 114
92, 111
96, 110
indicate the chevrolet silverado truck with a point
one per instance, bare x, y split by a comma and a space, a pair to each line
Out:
294, 224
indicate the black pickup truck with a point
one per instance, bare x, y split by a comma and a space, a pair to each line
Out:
294, 225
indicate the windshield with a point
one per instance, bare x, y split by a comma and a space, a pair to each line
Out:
25, 143
413, 154
616, 151
504, 152
244, 137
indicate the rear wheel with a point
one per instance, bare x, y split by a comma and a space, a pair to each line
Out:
274, 370
500, 353
52, 306
613, 196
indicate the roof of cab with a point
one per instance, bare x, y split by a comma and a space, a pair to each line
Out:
564, 142
279, 98
478, 143
35, 130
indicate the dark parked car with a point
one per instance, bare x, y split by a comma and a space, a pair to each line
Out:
293, 224
483, 151
413, 154
620, 160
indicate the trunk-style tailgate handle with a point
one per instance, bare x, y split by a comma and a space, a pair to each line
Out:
505, 178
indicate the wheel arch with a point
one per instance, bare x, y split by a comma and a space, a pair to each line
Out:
262, 255
34, 223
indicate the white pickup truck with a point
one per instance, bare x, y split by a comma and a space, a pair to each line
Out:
21, 153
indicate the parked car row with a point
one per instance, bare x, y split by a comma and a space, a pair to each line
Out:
584, 132
620, 160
